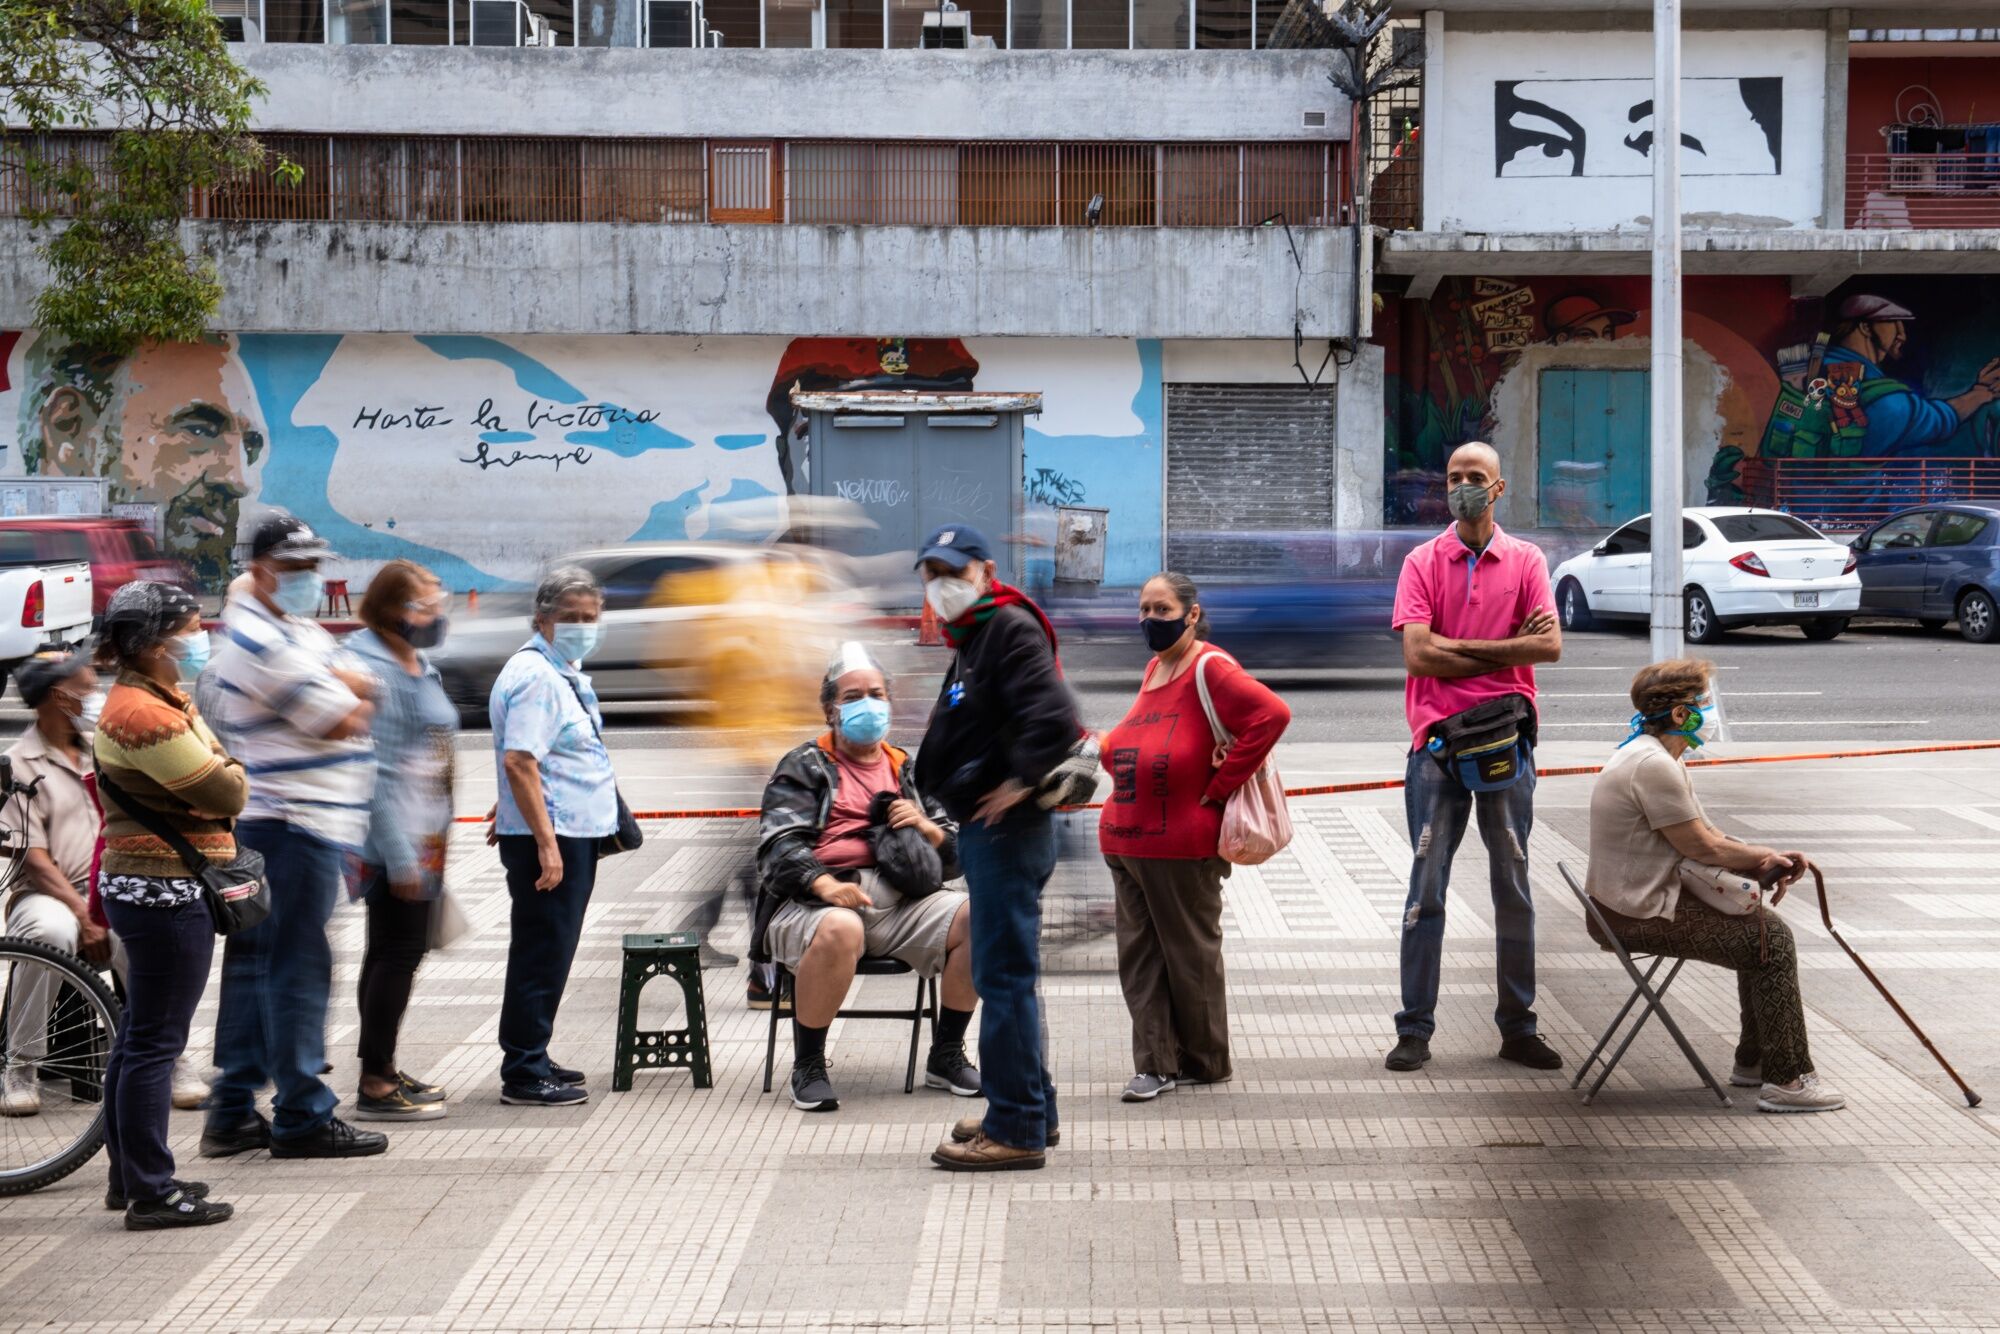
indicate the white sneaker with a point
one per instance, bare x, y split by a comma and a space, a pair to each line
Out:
189, 1087
1810, 1096
20, 1092
1747, 1076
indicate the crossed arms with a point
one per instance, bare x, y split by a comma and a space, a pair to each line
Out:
1427, 653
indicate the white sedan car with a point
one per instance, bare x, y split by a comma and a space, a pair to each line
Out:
1739, 567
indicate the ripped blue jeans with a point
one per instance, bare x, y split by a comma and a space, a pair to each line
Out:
1438, 807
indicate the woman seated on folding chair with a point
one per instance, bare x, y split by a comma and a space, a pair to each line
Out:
824, 899
1672, 884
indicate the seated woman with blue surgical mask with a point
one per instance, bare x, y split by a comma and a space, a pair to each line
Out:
823, 902
1669, 883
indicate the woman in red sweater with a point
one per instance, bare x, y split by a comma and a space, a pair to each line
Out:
1159, 834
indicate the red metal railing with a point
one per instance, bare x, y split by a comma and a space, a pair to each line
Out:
1923, 190
364, 178
1843, 495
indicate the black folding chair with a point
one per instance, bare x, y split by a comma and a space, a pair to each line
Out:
914, 1016
1642, 989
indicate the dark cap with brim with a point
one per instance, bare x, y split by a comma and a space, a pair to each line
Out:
957, 545
283, 537
37, 677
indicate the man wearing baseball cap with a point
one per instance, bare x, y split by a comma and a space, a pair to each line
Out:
1004, 722
294, 707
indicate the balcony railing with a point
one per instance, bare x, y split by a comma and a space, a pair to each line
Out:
500, 180
1923, 190
1845, 495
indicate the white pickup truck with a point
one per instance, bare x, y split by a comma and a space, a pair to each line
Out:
41, 606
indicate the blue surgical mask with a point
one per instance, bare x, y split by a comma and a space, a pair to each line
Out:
298, 592
574, 640
189, 652
864, 721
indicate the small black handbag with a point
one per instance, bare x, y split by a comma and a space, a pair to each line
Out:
237, 893
903, 857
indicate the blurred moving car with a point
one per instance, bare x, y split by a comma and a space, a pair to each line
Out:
1739, 567
44, 604
1935, 566
1278, 600
119, 551
744, 629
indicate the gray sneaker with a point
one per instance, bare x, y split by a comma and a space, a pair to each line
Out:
1145, 1088
812, 1089
1810, 1096
1747, 1076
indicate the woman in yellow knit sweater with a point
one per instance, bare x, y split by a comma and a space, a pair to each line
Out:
153, 745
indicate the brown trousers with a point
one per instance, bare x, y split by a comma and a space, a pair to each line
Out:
1170, 964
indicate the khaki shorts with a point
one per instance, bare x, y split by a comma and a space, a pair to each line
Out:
913, 930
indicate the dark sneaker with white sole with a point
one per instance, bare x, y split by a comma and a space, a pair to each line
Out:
1528, 1049
194, 1190
544, 1093
562, 1074
396, 1105
335, 1139
179, 1209
418, 1090
949, 1069
812, 1087
1411, 1053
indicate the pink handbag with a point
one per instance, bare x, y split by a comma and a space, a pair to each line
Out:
1256, 825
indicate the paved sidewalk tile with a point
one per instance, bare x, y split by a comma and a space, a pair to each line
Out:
1316, 1191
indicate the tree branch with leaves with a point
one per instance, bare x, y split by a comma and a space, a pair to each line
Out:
115, 116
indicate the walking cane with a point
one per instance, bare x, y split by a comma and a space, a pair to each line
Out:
1826, 916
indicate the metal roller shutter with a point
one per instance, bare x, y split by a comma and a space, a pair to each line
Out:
1244, 459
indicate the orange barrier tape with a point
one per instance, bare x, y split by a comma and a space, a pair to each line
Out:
1388, 784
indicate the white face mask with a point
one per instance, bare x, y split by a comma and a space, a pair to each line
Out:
951, 597
86, 720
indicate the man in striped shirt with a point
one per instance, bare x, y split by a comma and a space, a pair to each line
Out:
294, 707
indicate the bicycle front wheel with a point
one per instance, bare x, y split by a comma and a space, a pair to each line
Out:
56, 1025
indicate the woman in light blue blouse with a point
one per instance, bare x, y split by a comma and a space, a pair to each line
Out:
402, 875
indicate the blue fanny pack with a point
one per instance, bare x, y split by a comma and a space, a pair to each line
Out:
1488, 747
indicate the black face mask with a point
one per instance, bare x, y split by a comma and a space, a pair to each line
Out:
423, 636
1163, 635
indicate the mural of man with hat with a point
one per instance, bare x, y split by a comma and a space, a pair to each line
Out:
1890, 417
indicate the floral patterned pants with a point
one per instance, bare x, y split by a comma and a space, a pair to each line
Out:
1767, 975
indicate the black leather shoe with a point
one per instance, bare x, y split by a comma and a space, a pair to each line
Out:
178, 1210
562, 1074
194, 1190
1528, 1049
335, 1139
1411, 1053
247, 1137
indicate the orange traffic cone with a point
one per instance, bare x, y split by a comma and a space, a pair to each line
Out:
930, 630
472, 599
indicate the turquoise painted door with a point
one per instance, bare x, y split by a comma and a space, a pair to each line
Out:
1594, 442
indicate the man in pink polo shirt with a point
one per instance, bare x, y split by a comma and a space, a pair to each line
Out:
1475, 612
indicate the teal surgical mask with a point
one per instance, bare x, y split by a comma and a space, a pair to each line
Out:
189, 652
575, 640
298, 592
864, 721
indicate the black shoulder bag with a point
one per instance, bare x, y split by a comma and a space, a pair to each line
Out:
238, 896
627, 836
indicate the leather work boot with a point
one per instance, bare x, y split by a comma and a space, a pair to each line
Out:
980, 1154
968, 1128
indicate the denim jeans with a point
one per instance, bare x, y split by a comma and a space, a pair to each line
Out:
1437, 807
276, 980
546, 926
167, 952
1006, 867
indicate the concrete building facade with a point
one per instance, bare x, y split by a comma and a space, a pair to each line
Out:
529, 298
1841, 188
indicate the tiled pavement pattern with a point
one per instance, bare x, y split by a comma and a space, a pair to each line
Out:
1316, 1192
